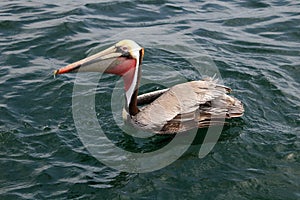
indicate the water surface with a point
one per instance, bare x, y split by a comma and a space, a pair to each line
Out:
254, 44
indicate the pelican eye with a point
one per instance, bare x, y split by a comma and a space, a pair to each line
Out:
124, 48
125, 51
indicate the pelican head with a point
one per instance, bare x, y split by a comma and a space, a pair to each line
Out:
118, 59
123, 59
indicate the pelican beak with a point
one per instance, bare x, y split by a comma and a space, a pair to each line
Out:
99, 62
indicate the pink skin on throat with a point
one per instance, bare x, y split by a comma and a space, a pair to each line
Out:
126, 69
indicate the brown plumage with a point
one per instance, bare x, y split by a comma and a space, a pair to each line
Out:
186, 106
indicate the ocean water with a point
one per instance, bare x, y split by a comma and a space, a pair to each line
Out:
253, 47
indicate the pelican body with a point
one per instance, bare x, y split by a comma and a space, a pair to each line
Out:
195, 104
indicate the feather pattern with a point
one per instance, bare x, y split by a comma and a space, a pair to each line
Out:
186, 106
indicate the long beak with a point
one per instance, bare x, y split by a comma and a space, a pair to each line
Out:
99, 62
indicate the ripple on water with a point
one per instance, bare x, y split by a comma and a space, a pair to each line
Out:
254, 45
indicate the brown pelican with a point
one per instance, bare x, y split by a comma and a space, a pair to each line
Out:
185, 106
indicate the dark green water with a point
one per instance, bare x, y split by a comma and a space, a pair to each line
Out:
254, 44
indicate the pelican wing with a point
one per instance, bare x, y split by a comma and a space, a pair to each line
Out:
211, 113
180, 104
